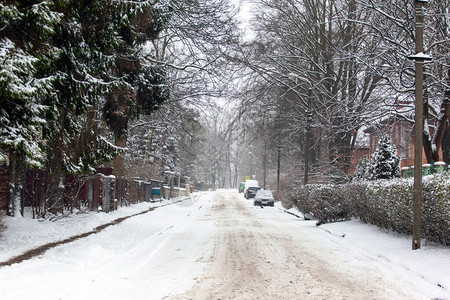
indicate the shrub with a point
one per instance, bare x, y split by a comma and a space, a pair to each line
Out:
436, 208
387, 204
385, 163
327, 203
362, 171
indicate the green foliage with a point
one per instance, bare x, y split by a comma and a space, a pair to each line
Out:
21, 83
61, 61
328, 203
143, 86
362, 170
385, 163
152, 90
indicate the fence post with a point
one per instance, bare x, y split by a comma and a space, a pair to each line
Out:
108, 193
188, 184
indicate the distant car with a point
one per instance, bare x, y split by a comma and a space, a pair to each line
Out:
241, 187
251, 192
250, 183
263, 197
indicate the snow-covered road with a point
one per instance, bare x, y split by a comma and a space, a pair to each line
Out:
261, 254
215, 246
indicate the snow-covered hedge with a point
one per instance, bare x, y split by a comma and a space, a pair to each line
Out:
436, 208
385, 203
326, 202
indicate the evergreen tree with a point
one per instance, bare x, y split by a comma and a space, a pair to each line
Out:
24, 28
144, 84
362, 170
385, 163
60, 61
99, 70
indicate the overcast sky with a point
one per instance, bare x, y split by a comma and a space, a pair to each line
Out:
244, 16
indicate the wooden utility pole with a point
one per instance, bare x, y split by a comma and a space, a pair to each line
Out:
419, 58
278, 163
308, 136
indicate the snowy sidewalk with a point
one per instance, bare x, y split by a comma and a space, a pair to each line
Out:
367, 246
24, 238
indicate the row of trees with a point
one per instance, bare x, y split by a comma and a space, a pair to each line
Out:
77, 78
84, 83
320, 71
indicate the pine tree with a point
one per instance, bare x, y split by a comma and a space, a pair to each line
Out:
99, 76
144, 86
362, 170
23, 52
385, 163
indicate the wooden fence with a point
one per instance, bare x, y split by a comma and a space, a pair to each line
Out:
101, 191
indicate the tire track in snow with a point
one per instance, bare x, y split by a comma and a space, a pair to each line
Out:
32, 253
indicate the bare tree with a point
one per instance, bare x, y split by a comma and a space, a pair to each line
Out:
318, 53
394, 28
193, 48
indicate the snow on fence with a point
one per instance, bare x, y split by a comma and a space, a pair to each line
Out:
427, 169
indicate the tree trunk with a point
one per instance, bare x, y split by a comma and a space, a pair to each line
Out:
54, 190
16, 184
432, 153
446, 146
118, 163
443, 123
426, 137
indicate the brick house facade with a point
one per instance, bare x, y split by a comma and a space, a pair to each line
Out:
401, 132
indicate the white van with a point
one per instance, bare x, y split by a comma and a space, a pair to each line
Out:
251, 183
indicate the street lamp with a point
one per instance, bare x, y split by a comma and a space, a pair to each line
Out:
251, 164
308, 125
419, 59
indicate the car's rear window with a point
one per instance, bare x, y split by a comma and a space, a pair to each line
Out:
264, 193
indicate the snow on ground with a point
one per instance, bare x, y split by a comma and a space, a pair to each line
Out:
357, 244
106, 265
365, 245
22, 234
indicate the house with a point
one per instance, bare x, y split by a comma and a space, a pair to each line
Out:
400, 127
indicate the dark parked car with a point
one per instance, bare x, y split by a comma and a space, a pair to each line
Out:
264, 197
251, 192
241, 187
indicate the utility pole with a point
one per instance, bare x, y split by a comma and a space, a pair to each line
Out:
308, 136
419, 59
278, 150
251, 164
278, 163
308, 124
265, 150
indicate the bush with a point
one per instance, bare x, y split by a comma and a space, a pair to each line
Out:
385, 163
385, 203
388, 204
328, 203
436, 208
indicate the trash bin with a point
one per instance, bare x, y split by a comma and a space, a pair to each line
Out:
156, 194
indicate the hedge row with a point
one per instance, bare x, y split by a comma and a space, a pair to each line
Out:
385, 203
